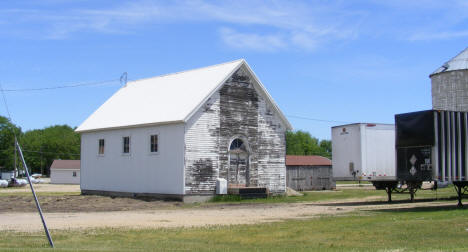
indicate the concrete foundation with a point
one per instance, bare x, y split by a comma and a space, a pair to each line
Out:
157, 196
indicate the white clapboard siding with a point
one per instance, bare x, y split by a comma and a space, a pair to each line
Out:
201, 148
64, 176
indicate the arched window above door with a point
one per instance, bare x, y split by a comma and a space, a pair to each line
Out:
237, 145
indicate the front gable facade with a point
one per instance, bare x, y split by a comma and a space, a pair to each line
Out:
237, 111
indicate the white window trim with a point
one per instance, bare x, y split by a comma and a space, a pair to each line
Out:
148, 145
99, 154
129, 145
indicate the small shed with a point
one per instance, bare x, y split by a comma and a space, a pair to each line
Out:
309, 173
7, 175
65, 172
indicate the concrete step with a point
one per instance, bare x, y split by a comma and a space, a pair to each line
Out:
249, 192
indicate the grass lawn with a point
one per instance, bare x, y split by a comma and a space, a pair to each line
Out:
353, 182
340, 194
416, 229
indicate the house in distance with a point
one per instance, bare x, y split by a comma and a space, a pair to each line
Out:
65, 172
173, 136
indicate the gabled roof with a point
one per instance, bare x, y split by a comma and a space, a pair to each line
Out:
458, 62
65, 164
307, 160
169, 98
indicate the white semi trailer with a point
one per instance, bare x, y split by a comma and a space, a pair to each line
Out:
364, 151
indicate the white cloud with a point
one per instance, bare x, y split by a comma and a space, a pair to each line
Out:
443, 35
267, 25
252, 41
289, 24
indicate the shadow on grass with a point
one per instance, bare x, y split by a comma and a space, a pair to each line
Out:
419, 209
384, 202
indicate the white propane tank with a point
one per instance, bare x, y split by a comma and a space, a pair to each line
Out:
221, 186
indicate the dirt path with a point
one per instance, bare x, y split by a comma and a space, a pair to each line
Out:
213, 215
222, 215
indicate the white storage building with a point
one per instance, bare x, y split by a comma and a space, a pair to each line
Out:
65, 172
173, 135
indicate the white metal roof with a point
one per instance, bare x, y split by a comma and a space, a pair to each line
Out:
167, 98
458, 62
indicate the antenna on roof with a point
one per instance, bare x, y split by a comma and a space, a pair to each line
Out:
123, 79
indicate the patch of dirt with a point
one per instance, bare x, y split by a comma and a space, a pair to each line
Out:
79, 203
43, 188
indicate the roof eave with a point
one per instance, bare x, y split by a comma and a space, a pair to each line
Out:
218, 86
275, 106
129, 126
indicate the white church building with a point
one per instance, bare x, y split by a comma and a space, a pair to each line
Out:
172, 136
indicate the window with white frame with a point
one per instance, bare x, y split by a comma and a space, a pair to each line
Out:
101, 147
126, 144
74, 174
154, 143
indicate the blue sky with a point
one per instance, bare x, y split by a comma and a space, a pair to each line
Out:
341, 61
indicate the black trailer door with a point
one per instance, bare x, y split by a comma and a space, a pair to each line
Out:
414, 141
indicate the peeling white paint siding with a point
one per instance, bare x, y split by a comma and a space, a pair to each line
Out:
272, 150
237, 109
202, 148
140, 171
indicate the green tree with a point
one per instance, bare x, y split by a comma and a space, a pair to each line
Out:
7, 142
302, 143
42, 146
326, 145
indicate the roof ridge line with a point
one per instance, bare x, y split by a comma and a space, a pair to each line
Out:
451, 59
437, 71
188, 70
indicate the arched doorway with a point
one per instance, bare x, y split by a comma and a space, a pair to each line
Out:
238, 172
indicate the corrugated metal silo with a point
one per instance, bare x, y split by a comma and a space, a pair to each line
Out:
450, 84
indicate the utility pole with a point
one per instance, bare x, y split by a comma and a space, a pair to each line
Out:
15, 170
38, 206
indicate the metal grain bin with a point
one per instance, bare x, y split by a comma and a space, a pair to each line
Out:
450, 84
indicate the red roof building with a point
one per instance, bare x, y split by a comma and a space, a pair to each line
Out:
304, 173
65, 164
307, 160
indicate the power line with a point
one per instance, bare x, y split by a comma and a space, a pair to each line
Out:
316, 119
96, 83
6, 105
124, 77
47, 152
